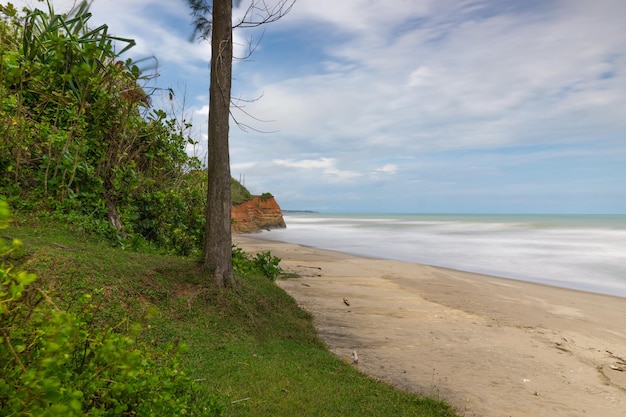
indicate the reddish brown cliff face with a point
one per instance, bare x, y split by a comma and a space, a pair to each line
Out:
257, 214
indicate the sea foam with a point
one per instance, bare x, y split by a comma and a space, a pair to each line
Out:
584, 252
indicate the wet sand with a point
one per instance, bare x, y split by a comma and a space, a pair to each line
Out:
489, 346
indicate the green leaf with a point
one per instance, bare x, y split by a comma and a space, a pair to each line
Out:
25, 278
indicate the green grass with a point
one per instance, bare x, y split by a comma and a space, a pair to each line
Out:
238, 193
252, 347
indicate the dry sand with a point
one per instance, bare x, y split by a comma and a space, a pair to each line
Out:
491, 347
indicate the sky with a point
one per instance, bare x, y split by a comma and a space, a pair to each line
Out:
409, 106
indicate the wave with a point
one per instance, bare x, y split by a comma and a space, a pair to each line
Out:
584, 252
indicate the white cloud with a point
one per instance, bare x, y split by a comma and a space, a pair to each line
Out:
326, 163
387, 169
328, 167
500, 80
439, 78
357, 15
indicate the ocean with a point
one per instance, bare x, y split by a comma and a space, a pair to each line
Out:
584, 252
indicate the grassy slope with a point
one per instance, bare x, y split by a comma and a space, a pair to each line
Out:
238, 193
253, 344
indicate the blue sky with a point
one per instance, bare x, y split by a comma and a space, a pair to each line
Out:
446, 106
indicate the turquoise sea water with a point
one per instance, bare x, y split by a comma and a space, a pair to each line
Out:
585, 252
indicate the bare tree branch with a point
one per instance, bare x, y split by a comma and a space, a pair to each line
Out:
244, 126
261, 12
251, 46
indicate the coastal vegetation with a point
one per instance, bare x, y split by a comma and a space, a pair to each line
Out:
81, 141
105, 309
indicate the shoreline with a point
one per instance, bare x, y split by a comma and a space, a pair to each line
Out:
489, 346
543, 283
579, 252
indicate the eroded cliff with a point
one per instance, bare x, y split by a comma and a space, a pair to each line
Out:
256, 214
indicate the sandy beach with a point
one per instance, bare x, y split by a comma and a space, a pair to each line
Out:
489, 346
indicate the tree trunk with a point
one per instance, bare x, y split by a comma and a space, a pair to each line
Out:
218, 240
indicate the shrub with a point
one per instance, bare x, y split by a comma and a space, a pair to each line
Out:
60, 363
262, 263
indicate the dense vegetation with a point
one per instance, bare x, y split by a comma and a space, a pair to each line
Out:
80, 140
125, 326
64, 353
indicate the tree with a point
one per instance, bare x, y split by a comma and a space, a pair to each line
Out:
218, 239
